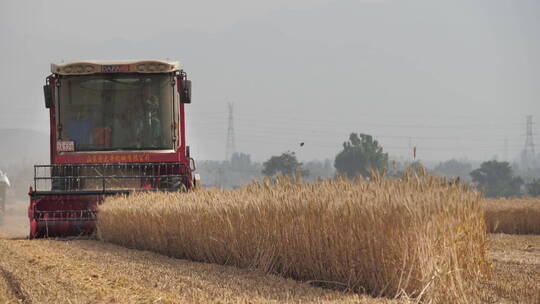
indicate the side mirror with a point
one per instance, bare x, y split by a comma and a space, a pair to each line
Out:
48, 93
185, 95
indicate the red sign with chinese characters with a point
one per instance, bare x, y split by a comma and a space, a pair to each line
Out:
117, 158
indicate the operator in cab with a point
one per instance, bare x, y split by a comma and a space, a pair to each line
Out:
150, 125
145, 119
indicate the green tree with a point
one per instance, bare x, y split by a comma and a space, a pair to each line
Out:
360, 155
533, 188
286, 164
496, 179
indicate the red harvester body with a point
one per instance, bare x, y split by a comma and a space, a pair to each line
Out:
115, 128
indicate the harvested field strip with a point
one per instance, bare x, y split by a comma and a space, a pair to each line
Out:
413, 236
12, 285
89, 271
516, 269
10, 291
513, 216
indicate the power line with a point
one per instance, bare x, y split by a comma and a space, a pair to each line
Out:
281, 131
302, 120
270, 140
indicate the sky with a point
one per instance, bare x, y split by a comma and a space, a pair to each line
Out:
454, 78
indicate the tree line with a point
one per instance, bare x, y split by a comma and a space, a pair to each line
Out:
362, 155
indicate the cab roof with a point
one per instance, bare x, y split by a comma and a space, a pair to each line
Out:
86, 67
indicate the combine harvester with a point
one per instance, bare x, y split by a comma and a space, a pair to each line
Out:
115, 128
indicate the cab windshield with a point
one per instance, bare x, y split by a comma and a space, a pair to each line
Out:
116, 112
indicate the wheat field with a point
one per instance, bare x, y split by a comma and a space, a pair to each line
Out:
415, 237
513, 216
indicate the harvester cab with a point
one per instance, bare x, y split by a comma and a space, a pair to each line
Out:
115, 128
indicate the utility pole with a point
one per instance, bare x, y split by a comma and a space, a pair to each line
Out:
528, 156
230, 146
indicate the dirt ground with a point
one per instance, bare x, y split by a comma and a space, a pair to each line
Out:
516, 269
90, 271
14, 223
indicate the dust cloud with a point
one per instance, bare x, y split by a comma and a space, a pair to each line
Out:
14, 222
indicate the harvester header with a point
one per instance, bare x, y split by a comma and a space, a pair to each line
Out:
122, 66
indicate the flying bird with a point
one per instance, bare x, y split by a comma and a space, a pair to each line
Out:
301, 144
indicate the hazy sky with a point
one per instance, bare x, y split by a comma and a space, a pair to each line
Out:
454, 78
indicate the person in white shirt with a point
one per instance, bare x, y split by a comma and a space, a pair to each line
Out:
4, 184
